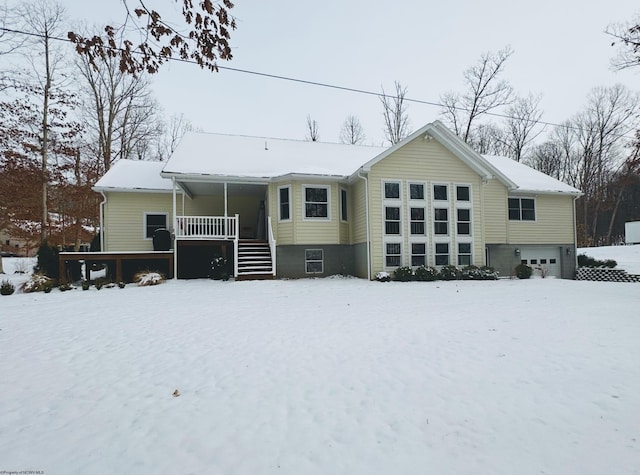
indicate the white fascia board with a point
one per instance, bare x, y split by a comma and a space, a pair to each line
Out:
104, 189
522, 191
201, 178
306, 176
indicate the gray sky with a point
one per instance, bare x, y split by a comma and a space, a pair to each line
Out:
560, 51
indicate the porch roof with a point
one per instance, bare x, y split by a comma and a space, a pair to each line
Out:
134, 175
219, 155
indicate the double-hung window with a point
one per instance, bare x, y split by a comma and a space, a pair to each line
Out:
153, 222
316, 202
522, 209
392, 208
464, 253
314, 261
393, 254
442, 253
284, 203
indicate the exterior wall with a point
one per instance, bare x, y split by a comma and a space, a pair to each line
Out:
503, 257
429, 162
360, 260
124, 219
338, 259
358, 217
554, 222
494, 212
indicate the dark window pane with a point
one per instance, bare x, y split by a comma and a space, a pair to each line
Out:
155, 222
462, 193
464, 248
528, 215
392, 190
343, 204
284, 195
514, 214
464, 214
393, 261
464, 260
417, 228
418, 261
392, 212
552, 261
393, 248
418, 248
442, 248
284, 211
316, 210
527, 204
417, 214
440, 192
416, 191
534, 261
441, 214
523, 261
392, 227
440, 228
442, 259
313, 254
543, 261
464, 229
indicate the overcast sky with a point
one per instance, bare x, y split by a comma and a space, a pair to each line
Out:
560, 51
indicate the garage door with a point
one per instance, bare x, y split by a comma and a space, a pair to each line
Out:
544, 261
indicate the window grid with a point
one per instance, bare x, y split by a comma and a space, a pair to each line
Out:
314, 261
316, 202
464, 253
393, 254
284, 203
522, 209
442, 253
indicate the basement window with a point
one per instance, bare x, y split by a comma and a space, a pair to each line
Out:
314, 261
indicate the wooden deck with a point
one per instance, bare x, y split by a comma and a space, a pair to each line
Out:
117, 257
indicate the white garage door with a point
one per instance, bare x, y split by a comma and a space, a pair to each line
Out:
544, 261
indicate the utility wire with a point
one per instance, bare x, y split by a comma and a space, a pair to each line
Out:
316, 83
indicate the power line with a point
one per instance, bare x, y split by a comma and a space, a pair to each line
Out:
316, 83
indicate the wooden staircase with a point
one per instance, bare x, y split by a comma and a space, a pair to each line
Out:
254, 260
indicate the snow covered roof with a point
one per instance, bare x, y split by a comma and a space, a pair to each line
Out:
204, 154
134, 175
526, 178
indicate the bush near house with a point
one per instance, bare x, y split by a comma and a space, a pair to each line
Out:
48, 261
7, 288
404, 274
449, 273
426, 274
523, 271
38, 283
586, 261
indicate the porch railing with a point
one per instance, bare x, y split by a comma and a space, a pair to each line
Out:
206, 227
272, 245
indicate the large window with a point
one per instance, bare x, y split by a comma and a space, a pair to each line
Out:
442, 254
441, 221
418, 254
284, 203
153, 222
392, 220
393, 252
464, 254
314, 261
463, 224
316, 202
522, 209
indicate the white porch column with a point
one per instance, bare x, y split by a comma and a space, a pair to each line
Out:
175, 227
225, 199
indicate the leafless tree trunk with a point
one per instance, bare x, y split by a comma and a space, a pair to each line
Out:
352, 132
312, 130
120, 113
46, 19
394, 111
177, 127
523, 118
627, 37
484, 93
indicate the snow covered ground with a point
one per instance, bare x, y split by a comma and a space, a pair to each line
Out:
323, 376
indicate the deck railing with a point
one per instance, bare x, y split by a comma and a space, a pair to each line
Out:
272, 245
206, 227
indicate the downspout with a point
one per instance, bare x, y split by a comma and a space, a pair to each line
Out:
102, 203
366, 205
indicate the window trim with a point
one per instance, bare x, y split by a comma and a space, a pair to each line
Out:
392, 203
304, 203
307, 261
436, 254
520, 198
280, 204
145, 226
344, 205
463, 202
422, 242
470, 253
470, 222
433, 192
385, 254
448, 221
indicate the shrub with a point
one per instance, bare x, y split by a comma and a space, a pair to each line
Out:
7, 288
65, 287
121, 285
488, 273
146, 278
404, 274
99, 283
426, 274
523, 271
470, 273
383, 276
38, 283
587, 261
86, 284
449, 273
48, 261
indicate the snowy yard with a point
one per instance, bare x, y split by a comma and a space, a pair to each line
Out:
326, 376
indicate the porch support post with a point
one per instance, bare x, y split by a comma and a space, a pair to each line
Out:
175, 230
225, 199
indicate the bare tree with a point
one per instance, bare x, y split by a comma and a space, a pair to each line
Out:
488, 139
204, 41
394, 111
352, 132
485, 91
313, 134
626, 36
178, 125
120, 113
522, 124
